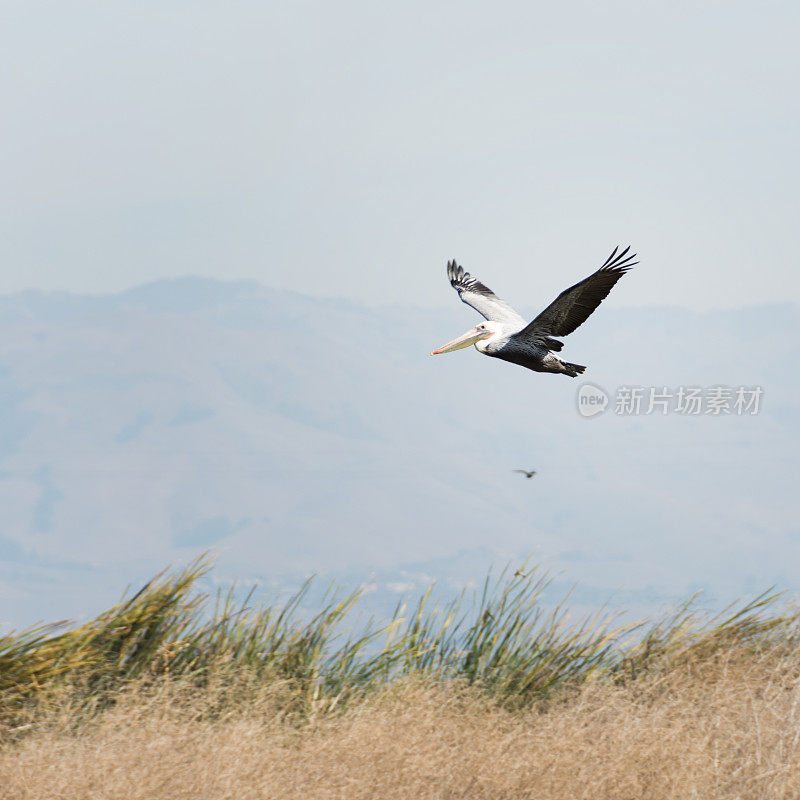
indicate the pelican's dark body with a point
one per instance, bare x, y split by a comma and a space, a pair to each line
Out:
531, 356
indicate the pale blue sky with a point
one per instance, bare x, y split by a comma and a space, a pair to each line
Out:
350, 148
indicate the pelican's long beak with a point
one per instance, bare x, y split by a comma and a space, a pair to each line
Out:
470, 337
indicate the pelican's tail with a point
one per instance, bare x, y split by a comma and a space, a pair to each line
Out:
573, 370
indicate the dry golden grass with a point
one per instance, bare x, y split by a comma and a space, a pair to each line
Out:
722, 727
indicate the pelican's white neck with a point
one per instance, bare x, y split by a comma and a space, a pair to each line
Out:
490, 342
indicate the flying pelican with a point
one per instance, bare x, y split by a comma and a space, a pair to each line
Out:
506, 335
527, 473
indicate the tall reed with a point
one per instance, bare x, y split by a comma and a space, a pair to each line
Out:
505, 639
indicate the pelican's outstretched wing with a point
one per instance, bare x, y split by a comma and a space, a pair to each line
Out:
480, 297
574, 305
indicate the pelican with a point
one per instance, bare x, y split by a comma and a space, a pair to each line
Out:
506, 334
528, 473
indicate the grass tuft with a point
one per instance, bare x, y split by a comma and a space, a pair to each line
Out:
505, 641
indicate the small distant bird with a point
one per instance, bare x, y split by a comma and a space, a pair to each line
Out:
506, 335
526, 473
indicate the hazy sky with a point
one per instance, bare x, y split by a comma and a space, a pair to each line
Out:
350, 148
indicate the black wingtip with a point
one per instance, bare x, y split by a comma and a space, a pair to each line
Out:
620, 261
610, 258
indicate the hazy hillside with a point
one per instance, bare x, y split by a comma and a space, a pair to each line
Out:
296, 435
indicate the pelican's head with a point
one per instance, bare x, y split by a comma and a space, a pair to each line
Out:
477, 336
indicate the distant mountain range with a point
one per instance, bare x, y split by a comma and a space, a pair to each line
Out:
295, 435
